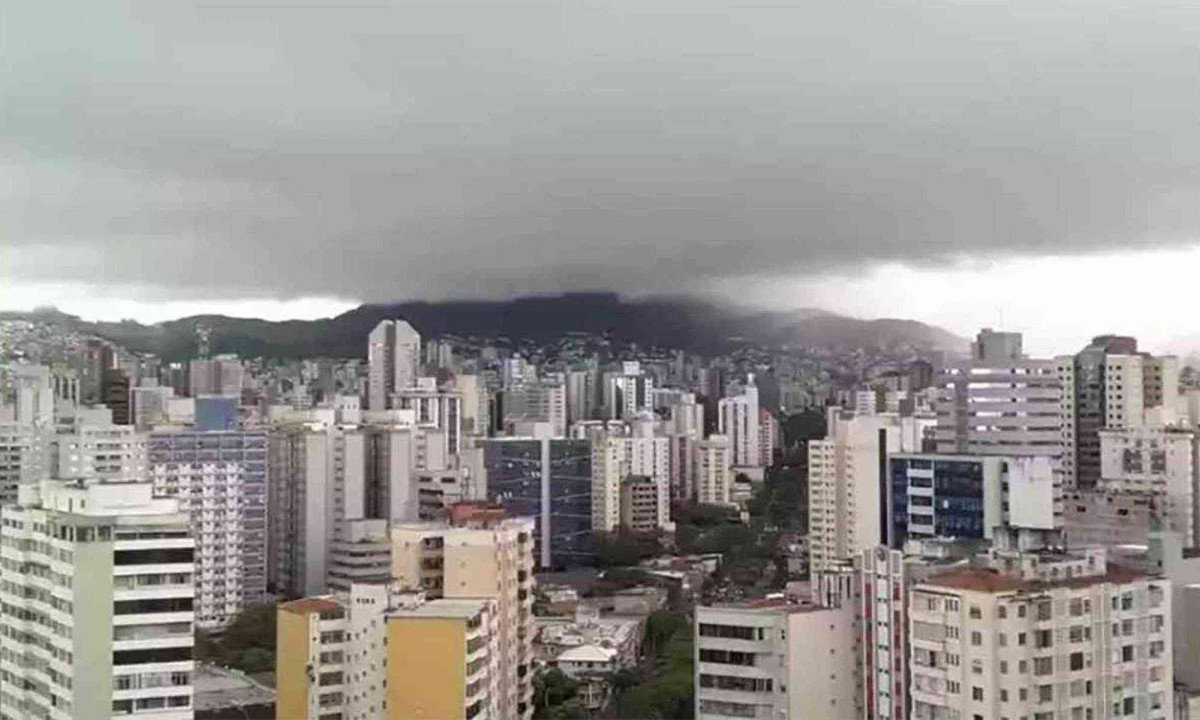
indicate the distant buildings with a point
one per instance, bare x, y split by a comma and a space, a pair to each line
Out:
393, 361
738, 419
219, 376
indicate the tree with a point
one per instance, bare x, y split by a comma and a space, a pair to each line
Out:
552, 688
623, 548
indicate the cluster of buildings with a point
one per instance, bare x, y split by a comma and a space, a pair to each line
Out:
1016, 540
405, 502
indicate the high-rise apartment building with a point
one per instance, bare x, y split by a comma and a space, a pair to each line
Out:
626, 391
377, 653
393, 361
99, 450
1159, 464
616, 457
220, 480
98, 599
774, 658
711, 476
1109, 384
1000, 402
550, 480
581, 395
967, 497
640, 498
537, 401
738, 419
434, 407
24, 457
219, 376
317, 483
1041, 634
848, 485
480, 554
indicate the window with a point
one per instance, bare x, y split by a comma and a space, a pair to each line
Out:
974, 612
977, 693
1127, 653
736, 632
1044, 610
1077, 661
727, 657
1043, 638
976, 637
1043, 666
1020, 638
1045, 693
1002, 612
1003, 667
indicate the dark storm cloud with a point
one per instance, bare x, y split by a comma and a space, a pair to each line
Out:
385, 150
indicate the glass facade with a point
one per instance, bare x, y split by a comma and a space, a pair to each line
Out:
515, 480
935, 497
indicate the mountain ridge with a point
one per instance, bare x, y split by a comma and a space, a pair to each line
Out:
672, 322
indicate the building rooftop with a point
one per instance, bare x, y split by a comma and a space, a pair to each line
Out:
218, 688
458, 608
990, 580
307, 606
587, 653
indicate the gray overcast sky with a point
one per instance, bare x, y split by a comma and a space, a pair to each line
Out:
293, 157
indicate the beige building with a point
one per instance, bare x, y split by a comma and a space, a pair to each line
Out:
640, 499
1041, 635
711, 476
479, 553
776, 659
845, 473
631, 448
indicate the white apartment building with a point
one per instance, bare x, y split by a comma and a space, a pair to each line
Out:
775, 659
393, 361
24, 458
1042, 634
581, 395
219, 376
615, 458
538, 401
738, 419
434, 407
363, 553
1158, 463
1008, 407
626, 391
847, 484
711, 470
318, 482
220, 480
480, 554
476, 417
100, 451
98, 594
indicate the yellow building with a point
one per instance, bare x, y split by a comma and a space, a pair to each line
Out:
480, 553
380, 654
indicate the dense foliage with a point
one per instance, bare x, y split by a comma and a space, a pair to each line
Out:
248, 643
